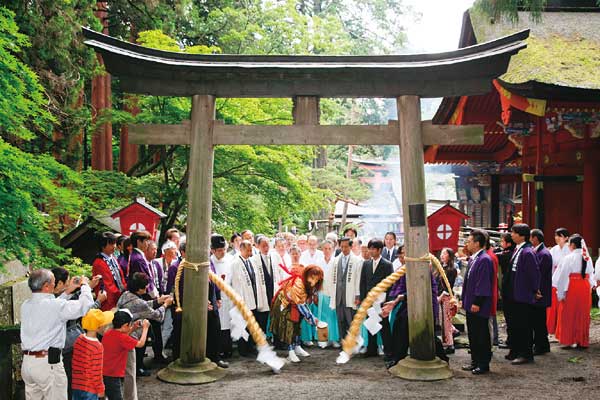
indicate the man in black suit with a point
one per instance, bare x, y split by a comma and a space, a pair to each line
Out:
374, 271
390, 251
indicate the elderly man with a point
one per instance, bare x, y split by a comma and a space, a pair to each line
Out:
43, 334
312, 255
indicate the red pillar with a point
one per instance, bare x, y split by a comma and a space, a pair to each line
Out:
128, 154
98, 137
101, 99
591, 194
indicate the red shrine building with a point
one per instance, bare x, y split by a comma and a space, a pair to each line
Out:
540, 160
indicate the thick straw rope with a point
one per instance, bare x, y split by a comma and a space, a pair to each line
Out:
257, 334
349, 343
185, 264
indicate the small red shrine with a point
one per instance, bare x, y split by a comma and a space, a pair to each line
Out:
541, 150
139, 216
444, 227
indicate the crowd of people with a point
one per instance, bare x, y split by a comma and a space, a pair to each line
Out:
86, 338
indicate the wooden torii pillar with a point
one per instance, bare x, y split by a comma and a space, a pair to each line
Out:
204, 132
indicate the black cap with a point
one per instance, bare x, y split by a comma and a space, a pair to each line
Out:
217, 241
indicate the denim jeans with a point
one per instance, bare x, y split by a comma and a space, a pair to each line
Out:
81, 395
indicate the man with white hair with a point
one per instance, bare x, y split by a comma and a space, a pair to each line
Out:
43, 334
312, 255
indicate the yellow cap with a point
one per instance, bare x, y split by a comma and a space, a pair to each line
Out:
95, 318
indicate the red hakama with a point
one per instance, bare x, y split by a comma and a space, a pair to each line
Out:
573, 324
552, 313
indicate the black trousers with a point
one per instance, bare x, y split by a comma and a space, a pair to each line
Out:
400, 339
540, 330
226, 343
522, 331
157, 343
113, 388
386, 338
247, 347
67, 358
508, 307
213, 336
480, 341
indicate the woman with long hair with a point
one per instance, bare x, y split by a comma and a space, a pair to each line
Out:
574, 282
448, 308
290, 306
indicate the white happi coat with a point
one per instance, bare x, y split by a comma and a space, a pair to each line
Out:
279, 273
223, 269
352, 280
307, 259
241, 283
273, 260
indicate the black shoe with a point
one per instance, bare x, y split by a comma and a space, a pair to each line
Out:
222, 364
161, 360
510, 356
450, 350
540, 352
480, 371
521, 361
390, 364
469, 367
143, 372
370, 354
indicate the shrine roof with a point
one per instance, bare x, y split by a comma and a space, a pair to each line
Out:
468, 70
563, 51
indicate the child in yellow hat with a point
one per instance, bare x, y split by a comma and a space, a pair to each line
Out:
88, 355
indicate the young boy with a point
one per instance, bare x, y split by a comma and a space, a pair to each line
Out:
117, 343
87, 381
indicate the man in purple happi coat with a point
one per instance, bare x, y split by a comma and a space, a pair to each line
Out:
477, 302
524, 292
541, 345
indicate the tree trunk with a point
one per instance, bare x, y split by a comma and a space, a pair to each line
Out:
348, 176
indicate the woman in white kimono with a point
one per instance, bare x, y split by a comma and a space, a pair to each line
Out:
324, 311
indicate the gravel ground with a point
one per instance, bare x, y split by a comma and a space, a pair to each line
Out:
562, 374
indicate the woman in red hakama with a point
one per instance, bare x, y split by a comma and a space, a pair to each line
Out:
558, 252
575, 278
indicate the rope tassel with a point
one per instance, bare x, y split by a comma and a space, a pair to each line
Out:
350, 342
266, 355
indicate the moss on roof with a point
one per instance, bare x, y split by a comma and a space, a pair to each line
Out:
563, 49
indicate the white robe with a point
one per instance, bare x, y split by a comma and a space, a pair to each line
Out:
571, 264
279, 273
558, 254
273, 261
311, 259
241, 283
352, 280
223, 269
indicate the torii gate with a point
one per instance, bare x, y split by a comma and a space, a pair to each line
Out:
465, 71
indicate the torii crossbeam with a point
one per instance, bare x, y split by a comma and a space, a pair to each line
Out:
306, 79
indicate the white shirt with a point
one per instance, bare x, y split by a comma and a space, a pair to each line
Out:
376, 263
571, 264
44, 318
223, 270
311, 259
397, 264
517, 254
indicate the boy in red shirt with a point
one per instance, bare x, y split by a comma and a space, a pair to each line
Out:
87, 381
117, 343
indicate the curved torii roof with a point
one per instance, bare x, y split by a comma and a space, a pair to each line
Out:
464, 71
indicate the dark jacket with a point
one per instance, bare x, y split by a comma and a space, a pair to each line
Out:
478, 285
544, 259
525, 281
368, 279
385, 253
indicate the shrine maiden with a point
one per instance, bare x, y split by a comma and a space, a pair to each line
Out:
558, 252
574, 282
